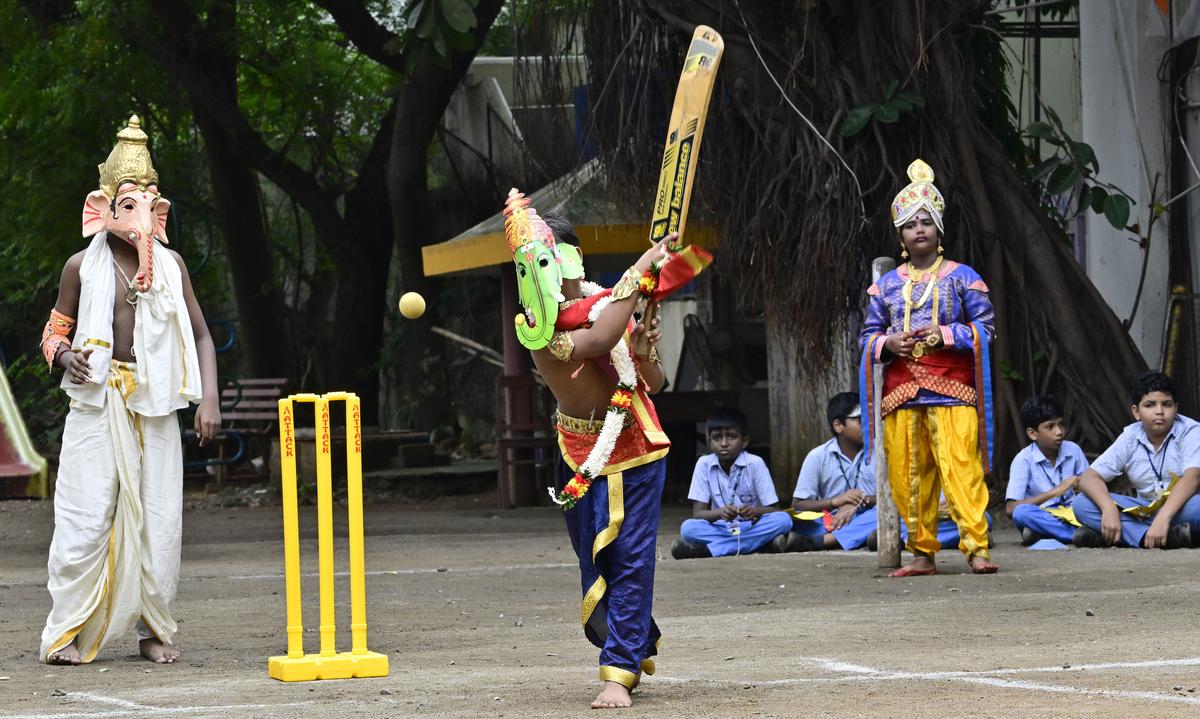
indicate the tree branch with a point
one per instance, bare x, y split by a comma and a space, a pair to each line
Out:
361, 28
183, 46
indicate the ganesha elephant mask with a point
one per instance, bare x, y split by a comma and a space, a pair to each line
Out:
137, 215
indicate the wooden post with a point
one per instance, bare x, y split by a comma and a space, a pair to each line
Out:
515, 486
888, 531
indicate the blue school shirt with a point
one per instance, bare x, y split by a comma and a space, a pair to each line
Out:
747, 484
827, 472
1149, 470
1031, 473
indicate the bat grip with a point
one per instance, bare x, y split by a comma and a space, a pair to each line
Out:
641, 347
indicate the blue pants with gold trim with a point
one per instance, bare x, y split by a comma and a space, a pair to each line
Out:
613, 531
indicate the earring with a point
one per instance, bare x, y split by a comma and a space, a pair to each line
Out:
903, 253
939, 247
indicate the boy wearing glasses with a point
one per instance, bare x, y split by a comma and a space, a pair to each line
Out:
733, 510
836, 484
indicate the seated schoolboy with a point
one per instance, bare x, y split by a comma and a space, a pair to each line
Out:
836, 479
1043, 476
1160, 455
733, 497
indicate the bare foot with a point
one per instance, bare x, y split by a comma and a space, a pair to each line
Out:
158, 652
67, 656
613, 696
980, 565
919, 567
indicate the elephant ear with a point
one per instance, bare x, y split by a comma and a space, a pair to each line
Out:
94, 207
161, 208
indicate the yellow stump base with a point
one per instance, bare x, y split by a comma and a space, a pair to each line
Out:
344, 665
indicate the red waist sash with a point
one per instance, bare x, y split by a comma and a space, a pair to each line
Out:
641, 441
948, 373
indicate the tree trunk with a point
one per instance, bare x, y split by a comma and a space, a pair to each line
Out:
261, 338
421, 101
797, 401
362, 278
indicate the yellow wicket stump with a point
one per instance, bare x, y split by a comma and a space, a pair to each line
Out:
328, 663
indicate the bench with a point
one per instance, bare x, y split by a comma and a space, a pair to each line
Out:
249, 418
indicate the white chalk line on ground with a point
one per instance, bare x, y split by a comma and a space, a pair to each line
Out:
100, 699
135, 709
858, 673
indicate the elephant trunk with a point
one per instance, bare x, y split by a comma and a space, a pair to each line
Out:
145, 274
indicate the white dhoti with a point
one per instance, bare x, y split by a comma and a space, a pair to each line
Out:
114, 559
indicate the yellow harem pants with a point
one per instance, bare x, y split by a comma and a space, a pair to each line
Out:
931, 450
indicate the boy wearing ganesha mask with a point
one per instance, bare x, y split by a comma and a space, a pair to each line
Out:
134, 349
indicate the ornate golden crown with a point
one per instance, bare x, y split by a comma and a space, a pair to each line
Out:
919, 194
129, 161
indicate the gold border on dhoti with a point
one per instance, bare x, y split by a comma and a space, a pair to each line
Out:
616, 516
654, 435
624, 677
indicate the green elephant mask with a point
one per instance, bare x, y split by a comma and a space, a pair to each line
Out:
539, 270
539, 289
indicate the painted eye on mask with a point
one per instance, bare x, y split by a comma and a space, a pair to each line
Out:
521, 270
543, 262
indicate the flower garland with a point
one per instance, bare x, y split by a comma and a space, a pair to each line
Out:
619, 407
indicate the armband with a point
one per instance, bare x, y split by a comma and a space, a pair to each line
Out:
627, 286
562, 346
56, 332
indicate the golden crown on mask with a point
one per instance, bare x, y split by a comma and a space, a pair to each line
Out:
129, 161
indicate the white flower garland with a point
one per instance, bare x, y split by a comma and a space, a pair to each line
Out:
614, 418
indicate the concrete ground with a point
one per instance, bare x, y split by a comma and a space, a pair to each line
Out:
478, 610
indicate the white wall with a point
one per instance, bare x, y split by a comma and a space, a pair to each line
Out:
1122, 43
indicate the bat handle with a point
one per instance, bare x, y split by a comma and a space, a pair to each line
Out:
642, 346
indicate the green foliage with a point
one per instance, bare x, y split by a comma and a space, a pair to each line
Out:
441, 26
69, 92
1072, 162
73, 84
1009, 372
887, 110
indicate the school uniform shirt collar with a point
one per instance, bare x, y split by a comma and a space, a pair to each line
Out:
1035, 455
739, 461
832, 447
1181, 425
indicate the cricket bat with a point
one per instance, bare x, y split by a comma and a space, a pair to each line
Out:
682, 148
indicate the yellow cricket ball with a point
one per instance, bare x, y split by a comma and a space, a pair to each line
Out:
412, 305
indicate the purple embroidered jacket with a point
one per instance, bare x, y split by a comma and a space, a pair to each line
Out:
962, 298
